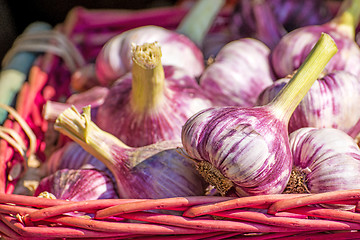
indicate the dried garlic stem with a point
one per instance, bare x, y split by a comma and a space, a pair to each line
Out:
148, 77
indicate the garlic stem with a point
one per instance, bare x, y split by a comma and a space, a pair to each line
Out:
148, 77
348, 17
198, 21
82, 130
294, 91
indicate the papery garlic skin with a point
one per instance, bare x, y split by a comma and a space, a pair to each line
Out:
330, 157
154, 171
114, 60
240, 72
166, 173
78, 185
332, 102
181, 98
293, 48
241, 143
73, 156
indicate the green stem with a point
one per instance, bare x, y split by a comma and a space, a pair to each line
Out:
198, 21
286, 101
87, 134
348, 17
147, 77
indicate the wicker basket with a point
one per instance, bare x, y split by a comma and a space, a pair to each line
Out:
282, 216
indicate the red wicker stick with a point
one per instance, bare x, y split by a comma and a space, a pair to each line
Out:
314, 199
265, 236
121, 227
296, 224
264, 200
205, 224
49, 232
206, 236
30, 200
8, 232
11, 209
326, 235
83, 206
336, 214
167, 203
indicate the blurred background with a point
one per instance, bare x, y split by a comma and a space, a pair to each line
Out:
16, 15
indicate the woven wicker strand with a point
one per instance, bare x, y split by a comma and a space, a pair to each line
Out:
32, 217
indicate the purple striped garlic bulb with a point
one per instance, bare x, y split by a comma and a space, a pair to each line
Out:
151, 103
256, 19
73, 156
154, 171
294, 14
240, 72
115, 59
332, 102
325, 160
78, 185
246, 150
293, 48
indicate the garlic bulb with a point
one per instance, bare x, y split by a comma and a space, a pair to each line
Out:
246, 150
73, 156
240, 72
78, 185
115, 59
153, 171
332, 102
325, 160
151, 103
292, 49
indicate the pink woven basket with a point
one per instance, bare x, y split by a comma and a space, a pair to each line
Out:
282, 216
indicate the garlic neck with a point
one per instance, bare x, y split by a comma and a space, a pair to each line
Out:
347, 17
286, 101
148, 77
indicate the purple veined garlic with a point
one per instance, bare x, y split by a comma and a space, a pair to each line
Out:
332, 102
77, 185
294, 14
255, 19
115, 60
153, 171
325, 160
73, 156
181, 48
151, 103
240, 72
245, 151
293, 48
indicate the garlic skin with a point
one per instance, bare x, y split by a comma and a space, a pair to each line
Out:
332, 102
114, 60
240, 72
151, 103
78, 185
294, 14
73, 156
154, 171
245, 144
293, 48
246, 150
329, 157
